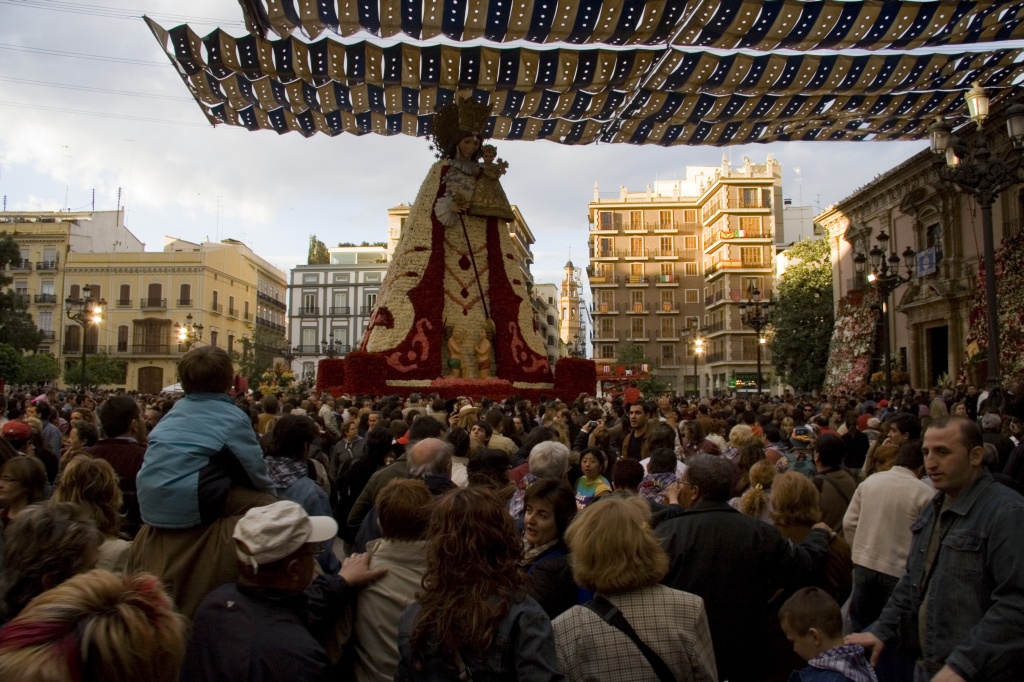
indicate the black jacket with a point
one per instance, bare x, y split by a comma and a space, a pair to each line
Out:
243, 633
735, 563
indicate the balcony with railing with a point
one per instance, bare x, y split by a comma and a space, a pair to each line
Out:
667, 307
23, 264
309, 311
217, 308
23, 299
714, 236
638, 280
604, 308
666, 280
233, 312
247, 317
340, 310
365, 310
46, 299
605, 280
271, 300
123, 303
712, 358
270, 325
153, 303
184, 302
638, 308
604, 335
76, 347
716, 327
737, 264
48, 335
46, 265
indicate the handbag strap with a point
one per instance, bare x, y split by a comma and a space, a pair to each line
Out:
611, 615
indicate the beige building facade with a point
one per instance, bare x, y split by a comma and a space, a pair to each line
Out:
234, 293
46, 239
677, 260
929, 315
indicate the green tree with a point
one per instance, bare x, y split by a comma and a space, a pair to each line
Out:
653, 386
317, 252
40, 368
631, 353
100, 370
12, 364
803, 317
258, 352
16, 326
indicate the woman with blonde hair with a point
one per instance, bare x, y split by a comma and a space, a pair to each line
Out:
95, 626
92, 484
739, 436
756, 501
616, 555
795, 509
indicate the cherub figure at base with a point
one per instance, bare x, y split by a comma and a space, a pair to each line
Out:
454, 352
483, 357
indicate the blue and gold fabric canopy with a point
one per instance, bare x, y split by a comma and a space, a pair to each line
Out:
582, 71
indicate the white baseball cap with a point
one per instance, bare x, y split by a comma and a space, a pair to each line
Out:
267, 534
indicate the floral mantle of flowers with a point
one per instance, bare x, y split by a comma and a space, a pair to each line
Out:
1010, 302
277, 379
853, 337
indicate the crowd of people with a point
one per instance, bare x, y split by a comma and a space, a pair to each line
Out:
208, 536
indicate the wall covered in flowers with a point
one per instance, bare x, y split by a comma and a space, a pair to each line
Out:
853, 340
1010, 300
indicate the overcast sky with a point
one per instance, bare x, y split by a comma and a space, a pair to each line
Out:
69, 125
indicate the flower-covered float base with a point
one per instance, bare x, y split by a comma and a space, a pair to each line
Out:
364, 373
1010, 301
853, 340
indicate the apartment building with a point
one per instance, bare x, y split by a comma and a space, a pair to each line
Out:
331, 304
45, 239
227, 288
675, 261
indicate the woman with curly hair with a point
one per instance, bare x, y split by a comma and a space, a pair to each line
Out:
95, 626
473, 620
91, 483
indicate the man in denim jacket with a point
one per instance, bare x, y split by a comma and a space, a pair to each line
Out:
963, 593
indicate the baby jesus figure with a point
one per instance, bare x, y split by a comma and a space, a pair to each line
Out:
488, 197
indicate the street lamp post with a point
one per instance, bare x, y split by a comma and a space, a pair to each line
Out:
886, 277
970, 165
287, 353
84, 311
693, 336
578, 349
330, 349
189, 334
757, 315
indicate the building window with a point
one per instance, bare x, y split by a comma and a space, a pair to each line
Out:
666, 299
124, 295
122, 339
691, 268
607, 327
750, 284
154, 294
636, 269
215, 299
308, 301
607, 350
72, 337
46, 320
231, 343
690, 215
749, 347
636, 220
668, 354
309, 339
748, 198
636, 328
636, 246
667, 270
751, 226
666, 246
310, 279
665, 219
185, 295
636, 300
668, 327
213, 338
245, 307
690, 243
373, 277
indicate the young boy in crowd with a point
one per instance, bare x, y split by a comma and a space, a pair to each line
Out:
813, 622
202, 448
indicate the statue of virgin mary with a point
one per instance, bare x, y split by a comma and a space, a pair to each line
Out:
455, 274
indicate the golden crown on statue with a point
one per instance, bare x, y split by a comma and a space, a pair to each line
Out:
463, 116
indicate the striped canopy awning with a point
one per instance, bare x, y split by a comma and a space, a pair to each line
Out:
658, 72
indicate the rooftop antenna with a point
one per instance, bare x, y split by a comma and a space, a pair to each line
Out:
800, 185
93, 198
119, 200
